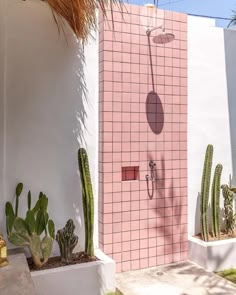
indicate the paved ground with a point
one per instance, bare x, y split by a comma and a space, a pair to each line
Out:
15, 279
184, 278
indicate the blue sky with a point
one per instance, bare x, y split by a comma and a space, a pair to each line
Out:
221, 8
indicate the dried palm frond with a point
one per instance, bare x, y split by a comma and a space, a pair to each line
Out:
80, 14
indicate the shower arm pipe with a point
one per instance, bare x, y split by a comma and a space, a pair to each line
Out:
149, 31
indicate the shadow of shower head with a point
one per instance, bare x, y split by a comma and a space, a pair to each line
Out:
162, 38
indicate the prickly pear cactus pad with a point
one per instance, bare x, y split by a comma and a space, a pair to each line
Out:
36, 231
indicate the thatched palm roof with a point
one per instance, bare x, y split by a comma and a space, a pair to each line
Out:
79, 14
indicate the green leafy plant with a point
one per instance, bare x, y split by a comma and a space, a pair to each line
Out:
88, 201
215, 201
205, 188
28, 231
67, 241
230, 218
114, 293
228, 274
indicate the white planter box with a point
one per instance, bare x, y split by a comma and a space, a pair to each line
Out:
213, 256
92, 278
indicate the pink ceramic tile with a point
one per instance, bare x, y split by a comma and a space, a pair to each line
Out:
160, 260
107, 239
143, 263
168, 258
126, 225
135, 245
117, 247
126, 266
135, 235
126, 246
118, 267
135, 264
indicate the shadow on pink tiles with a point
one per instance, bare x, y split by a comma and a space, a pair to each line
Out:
154, 112
173, 230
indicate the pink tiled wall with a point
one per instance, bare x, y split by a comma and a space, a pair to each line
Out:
139, 124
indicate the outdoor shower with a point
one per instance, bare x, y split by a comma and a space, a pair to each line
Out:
153, 101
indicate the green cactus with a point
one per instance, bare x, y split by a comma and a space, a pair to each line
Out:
19, 189
67, 241
230, 217
215, 201
88, 202
27, 232
205, 188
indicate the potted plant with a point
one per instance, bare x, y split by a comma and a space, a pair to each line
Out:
65, 273
214, 250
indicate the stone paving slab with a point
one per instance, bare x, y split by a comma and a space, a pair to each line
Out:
15, 279
183, 278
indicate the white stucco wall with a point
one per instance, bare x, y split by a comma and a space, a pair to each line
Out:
2, 50
230, 58
208, 106
47, 115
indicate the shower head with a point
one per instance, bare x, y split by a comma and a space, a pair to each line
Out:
162, 38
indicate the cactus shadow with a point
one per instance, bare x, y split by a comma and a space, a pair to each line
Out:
80, 112
197, 215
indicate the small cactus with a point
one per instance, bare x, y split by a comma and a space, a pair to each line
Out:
88, 202
205, 188
27, 232
215, 201
230, 217
67, 241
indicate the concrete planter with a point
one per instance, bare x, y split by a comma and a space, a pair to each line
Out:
213, 256
92, 278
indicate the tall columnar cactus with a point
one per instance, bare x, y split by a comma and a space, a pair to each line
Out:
230, 217
88, 202
67, 241
27, 232
215, 201
205, 188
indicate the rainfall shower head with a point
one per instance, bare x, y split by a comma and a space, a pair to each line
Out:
162, 38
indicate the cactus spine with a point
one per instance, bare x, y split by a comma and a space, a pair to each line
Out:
88, 202
205, 188
215, 201
27, 232
67, 241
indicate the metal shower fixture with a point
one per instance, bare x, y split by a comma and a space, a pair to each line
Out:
162, 38
149, 31
152, 166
